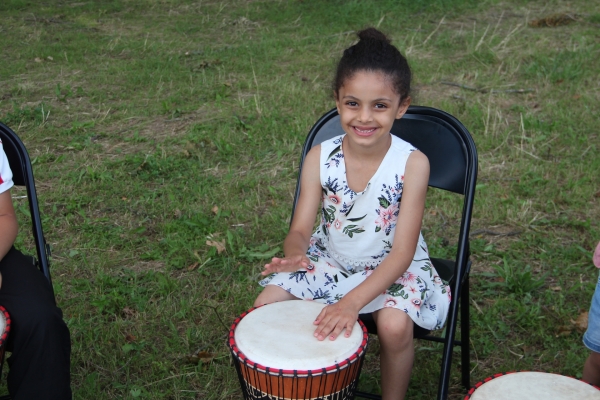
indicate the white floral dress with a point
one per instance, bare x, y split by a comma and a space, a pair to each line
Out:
356, 233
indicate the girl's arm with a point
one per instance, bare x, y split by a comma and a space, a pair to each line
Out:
334, 318
8, 223
298, 238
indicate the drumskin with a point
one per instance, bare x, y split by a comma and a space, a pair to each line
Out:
532, 385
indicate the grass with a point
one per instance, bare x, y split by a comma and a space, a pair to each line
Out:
156, 126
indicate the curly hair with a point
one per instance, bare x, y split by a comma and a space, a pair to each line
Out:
374, 52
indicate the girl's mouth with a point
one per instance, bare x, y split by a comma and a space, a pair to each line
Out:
364, 131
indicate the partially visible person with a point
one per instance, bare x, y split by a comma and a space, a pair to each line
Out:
39, 340
591, 338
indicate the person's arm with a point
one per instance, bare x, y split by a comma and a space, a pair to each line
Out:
8, 223
334, 318
298, 238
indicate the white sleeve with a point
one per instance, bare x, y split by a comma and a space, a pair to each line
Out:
6, 175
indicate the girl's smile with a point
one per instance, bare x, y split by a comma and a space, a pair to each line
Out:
360, 131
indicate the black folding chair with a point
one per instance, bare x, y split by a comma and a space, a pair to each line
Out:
453, 163
19, 162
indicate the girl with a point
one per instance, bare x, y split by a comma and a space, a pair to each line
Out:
367, 255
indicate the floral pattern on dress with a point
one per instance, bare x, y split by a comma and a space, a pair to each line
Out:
356, 233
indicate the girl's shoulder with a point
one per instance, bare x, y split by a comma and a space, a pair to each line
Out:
334, 142
412, 155
331, 148
401, 145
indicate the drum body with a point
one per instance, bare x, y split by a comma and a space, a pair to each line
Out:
532, 385
4, 330
277, 357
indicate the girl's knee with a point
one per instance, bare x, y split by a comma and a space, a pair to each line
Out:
394, 324
272, 294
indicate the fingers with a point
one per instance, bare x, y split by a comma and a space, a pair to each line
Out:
331, 324
349, 327
320, 316
275, 265
328, 328
286, 264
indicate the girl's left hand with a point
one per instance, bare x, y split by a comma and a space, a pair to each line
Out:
333, 319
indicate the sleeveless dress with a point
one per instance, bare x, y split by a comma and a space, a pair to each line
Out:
356, 233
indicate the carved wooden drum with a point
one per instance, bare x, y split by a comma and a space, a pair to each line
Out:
277, 357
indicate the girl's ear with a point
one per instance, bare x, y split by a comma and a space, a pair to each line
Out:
337, 100
403, 107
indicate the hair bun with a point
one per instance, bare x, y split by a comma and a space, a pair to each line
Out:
373, 34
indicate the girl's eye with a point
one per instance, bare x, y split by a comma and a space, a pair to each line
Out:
379, 105
352, 103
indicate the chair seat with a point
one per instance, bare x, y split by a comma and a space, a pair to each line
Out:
445, 268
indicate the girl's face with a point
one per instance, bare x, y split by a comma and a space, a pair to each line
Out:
368, 106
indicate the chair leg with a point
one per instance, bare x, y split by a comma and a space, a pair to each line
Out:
444, 383
465, 324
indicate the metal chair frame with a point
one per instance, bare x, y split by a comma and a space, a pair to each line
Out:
437, 134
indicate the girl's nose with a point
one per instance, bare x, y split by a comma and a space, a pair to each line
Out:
365, 114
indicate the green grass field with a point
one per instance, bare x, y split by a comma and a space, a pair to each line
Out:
161, 130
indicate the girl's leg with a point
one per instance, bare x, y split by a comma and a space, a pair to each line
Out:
272, 294
395, 331
591, 369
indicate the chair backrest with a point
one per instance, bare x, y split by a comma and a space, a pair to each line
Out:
443, 139
20, 164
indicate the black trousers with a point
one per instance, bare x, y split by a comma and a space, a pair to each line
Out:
39, 340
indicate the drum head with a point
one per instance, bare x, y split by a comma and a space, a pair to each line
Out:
535, 385
280, 336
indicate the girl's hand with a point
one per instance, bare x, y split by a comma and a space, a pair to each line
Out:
333, 319
286, 264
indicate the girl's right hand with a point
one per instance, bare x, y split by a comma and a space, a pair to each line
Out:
286, 264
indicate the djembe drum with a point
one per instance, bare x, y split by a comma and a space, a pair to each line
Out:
4, 330
532, 385
277, 356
